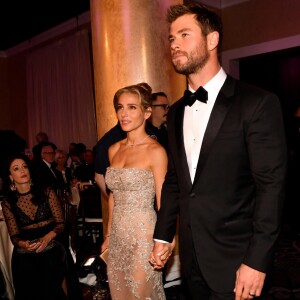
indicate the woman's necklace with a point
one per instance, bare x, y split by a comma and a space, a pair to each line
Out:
135, 144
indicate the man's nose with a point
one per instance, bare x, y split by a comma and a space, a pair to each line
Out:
175, 45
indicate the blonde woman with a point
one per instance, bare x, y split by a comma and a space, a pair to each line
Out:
137, 169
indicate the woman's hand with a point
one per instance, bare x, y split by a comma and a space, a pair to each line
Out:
43, 244
160, 254
29, 245
105, 244
45, 240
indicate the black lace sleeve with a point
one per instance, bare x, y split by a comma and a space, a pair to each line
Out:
57, 212
11, 223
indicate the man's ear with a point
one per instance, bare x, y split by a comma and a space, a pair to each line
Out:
212, 40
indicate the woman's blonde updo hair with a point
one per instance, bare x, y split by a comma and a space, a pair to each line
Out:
143, 90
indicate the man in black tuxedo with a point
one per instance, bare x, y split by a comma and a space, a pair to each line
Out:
227, 167
44, 172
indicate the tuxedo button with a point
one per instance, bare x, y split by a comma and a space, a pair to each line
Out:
192, 195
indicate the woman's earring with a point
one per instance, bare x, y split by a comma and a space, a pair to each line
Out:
13, 186
30, 182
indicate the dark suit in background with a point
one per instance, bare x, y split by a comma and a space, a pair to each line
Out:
46, 176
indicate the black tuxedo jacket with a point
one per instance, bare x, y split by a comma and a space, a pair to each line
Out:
230, 214
42, 175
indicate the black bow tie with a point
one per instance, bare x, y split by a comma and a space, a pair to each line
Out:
190, 98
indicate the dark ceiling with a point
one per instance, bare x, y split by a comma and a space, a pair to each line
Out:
22, 20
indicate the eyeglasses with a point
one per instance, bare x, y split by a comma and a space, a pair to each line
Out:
163, 106
48, 152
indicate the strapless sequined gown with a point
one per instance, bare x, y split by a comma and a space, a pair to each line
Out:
130, 274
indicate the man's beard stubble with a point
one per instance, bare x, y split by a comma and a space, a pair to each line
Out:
195, 62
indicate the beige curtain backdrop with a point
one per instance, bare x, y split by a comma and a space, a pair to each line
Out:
60, 94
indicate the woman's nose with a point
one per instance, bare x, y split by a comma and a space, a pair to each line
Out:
124, 112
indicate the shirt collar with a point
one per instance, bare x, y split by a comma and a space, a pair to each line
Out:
215, 83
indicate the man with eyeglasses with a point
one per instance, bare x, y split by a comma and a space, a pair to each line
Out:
156, 124
44, 171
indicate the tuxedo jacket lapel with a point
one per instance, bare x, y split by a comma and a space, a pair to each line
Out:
218, 114
183, 166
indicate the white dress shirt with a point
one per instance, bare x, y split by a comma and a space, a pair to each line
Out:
196, 118
195, 122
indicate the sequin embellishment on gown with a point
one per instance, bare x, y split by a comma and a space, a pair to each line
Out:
130, 274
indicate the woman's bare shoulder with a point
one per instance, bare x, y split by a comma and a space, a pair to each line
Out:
116, 146
113, 149
156, 149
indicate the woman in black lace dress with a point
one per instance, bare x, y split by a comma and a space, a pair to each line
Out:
35, 223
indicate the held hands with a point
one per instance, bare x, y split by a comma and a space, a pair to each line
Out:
249, 283
160, 254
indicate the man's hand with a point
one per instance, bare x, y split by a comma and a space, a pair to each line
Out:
160, 254
249, 283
